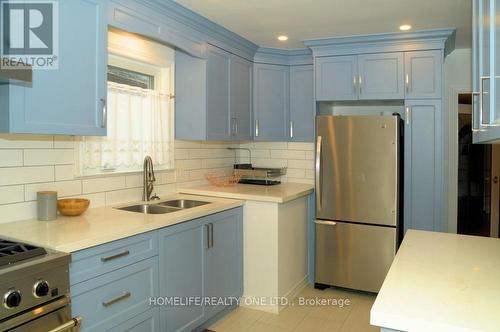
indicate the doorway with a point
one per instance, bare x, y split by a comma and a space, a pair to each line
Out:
478, 179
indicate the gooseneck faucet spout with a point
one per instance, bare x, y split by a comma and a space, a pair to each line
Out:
149, 179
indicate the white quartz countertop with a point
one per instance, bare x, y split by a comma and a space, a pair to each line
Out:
101, 225
280, 193
441, 282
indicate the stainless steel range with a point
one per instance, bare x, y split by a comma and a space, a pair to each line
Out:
34, 289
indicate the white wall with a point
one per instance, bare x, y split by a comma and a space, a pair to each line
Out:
31, 163
458, 77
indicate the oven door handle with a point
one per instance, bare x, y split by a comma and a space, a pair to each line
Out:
74, 322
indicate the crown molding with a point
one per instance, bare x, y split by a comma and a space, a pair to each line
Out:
386, 42
285, 57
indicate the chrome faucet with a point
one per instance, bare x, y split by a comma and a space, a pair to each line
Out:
149, 180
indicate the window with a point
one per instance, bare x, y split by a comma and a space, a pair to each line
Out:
139, 110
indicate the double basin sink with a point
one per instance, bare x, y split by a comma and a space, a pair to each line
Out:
164, 207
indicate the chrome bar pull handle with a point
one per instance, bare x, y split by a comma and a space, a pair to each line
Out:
235, 127
256, 128
360, 81
407, 83
325, 222
291, 129
104, 120
117, 299
318, 172
116, 256
211, 235
354, 84
74, 322
474, 119
407, 115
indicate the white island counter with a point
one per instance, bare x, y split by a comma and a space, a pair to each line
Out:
441, 282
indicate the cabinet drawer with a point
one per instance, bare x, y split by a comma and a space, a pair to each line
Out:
92, 262
146, 322
111, 299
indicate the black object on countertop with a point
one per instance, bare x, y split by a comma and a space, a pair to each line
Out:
260, 182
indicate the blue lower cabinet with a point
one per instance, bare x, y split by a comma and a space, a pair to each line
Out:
111, 299
182, 250
224, 263
200, 259
148, 321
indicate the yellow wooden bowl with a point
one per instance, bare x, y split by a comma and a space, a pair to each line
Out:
72, 206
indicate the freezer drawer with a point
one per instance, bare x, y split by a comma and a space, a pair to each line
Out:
353, 255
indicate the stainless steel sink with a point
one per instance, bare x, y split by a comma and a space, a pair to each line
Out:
183, 203
149, 209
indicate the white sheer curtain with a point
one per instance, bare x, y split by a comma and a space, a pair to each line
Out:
140, 123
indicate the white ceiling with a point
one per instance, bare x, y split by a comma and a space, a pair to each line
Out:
261, 21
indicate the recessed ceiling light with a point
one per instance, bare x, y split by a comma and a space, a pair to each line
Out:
282, 38
405, 27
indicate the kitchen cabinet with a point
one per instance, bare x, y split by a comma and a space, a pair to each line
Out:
181, 274
380, 76
218, 113
423, 74
360, 77
111, 284
271, 102
69, 100
422, 163
213, 96
486, 71
202, 258
336, 78
302, 110
224, 263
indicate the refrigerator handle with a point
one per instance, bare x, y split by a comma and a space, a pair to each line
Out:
318, 172
325, 222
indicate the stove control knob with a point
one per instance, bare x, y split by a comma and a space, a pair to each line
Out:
41, 288
12, 299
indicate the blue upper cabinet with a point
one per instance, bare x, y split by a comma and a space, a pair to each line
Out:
302, 111
486, 71
69, 100
241, 99
360, 77
380, 76
271, 102
213, 96
423, 74
336, 78
218, 117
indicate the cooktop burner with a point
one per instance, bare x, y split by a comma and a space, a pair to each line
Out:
12, 252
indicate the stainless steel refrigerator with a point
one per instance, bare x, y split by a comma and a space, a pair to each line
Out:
357, 199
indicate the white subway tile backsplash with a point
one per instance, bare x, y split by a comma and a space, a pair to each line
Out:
49, 165
9, 141
65, 172
17, 211
11, 194
121, 196
11, 158
103, 184
33, 157
22, 175
63, 188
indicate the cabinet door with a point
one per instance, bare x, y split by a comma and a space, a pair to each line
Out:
381, 76
224, 259
423, 74
241, 99
182, 251
423, 166
146, 322
302, 112
71, 99
271, 102
336, 78
218, 62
